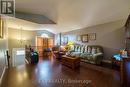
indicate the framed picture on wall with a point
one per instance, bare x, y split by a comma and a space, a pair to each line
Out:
85, 38
1, 27
79, 38
92, 36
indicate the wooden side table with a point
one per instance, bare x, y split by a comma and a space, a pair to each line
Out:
116, 62
125, 70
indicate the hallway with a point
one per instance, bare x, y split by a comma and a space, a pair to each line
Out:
50, 73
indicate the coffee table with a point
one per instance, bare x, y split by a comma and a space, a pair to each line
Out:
71, 62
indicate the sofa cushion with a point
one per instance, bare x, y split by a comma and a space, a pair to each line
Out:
85, 49
79, 48
82, 49
77, 54
84, 55
90, 57
89, 50
74, 54
99, 50
94, 50
76, 48
97, 54
72, 47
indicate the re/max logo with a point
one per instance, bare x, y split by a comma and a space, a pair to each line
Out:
7, 7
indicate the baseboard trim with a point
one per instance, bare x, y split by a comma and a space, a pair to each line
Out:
2, 75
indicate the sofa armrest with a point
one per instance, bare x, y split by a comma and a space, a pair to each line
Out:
69, 52
98, 58
97, 54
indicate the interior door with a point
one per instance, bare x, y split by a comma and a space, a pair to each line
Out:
43, 43
50, 42
40, 46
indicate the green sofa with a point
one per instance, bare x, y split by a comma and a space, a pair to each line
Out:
88, 53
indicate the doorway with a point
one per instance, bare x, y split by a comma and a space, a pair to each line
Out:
43, 43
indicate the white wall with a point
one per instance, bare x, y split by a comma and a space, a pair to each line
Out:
3, 48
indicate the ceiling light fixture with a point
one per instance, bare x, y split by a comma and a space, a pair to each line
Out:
21, 39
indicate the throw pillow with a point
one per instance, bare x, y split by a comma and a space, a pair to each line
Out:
98, 50
94, 50
89, 49
85, 49
82, 49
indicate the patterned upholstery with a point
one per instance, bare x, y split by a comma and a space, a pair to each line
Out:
82, 48
94, 50
85, 49
91, 53
89, 49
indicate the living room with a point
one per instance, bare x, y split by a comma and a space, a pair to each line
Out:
93, 32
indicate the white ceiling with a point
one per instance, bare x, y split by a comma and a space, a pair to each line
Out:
72, 14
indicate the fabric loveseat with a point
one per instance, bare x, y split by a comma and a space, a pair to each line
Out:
88, 53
